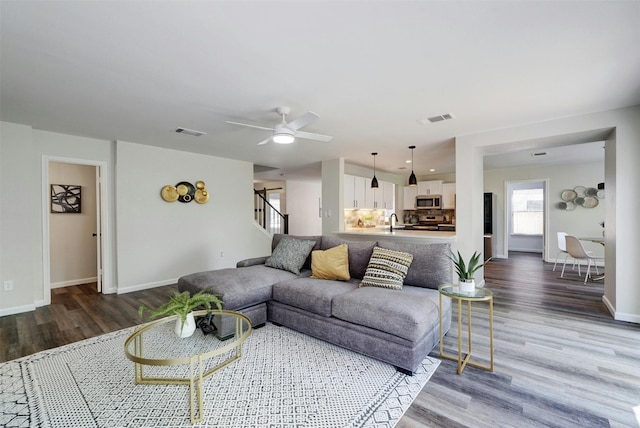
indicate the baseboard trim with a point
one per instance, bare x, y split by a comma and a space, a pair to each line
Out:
17, 310
74, 282
619, 316
140, 287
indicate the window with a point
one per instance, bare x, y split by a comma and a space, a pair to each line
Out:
527, 211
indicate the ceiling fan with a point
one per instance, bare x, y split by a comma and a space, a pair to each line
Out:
286, 133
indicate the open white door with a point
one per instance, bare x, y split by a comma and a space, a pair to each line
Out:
99, 228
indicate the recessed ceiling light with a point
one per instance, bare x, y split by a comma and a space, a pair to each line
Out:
407, 161
432, 170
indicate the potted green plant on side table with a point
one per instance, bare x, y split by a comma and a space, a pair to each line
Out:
183, 304
465, 271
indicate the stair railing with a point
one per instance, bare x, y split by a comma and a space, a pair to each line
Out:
272, 220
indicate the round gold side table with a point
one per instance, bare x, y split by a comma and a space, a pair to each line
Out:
479, 295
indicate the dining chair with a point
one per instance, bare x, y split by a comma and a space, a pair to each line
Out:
576, 250
562, 249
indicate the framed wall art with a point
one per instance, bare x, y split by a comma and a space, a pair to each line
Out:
65, 199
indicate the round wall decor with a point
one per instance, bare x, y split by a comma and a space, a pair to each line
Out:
185, 192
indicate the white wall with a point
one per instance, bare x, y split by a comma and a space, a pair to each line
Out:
158, 241
73, 249
622, 155
580, 222
20, 225
303, 201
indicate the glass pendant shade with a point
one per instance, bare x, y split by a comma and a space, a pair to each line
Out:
374, 180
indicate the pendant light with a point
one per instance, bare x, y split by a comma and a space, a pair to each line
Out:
413, 181
374, 180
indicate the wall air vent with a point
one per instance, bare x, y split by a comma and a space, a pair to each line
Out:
188, 131
434, 119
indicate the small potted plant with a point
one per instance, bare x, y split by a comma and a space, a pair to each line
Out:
183, 304
466, 270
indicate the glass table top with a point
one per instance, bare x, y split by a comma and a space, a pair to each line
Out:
452, 290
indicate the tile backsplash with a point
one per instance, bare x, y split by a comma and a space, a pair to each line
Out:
364, 218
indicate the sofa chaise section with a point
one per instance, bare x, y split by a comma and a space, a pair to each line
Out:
399, 327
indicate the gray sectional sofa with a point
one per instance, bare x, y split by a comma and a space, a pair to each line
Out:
399, 327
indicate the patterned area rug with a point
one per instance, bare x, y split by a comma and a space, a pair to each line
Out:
284, 379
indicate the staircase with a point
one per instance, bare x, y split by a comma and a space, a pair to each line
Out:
268, 216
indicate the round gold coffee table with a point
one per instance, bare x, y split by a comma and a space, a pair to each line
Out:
156, 345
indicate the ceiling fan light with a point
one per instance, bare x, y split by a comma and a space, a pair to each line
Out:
283, 138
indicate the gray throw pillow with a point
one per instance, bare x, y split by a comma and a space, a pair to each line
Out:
290, 254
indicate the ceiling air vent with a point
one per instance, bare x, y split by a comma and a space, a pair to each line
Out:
188, 131
434, 119
537, 154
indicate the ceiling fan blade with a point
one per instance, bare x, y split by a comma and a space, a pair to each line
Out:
265, 141
312, 136
303, 120
250, 126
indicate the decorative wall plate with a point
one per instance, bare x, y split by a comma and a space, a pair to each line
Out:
591, 191
579, 190
200, 184
600, 194
579, 200
590, 202
169, 193
568, 195
202, 196
186, 191
570, 206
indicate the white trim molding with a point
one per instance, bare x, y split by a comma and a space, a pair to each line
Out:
17, 310
140, 287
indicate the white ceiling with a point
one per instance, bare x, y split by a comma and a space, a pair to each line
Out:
134, 71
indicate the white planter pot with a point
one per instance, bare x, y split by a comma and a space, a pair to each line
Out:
467, 285
188, 328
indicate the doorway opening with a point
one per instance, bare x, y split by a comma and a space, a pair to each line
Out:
74, 218
526, 211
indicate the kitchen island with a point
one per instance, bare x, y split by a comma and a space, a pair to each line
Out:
398, 235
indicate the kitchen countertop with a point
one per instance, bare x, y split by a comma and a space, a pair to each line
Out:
398, 234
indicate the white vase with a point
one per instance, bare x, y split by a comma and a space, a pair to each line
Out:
467, 285
188, 328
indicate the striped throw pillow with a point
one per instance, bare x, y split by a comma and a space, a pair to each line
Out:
386, 269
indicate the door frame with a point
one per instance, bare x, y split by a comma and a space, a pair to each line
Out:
507, 213
102, 222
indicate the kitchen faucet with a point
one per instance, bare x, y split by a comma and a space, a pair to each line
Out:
391, 221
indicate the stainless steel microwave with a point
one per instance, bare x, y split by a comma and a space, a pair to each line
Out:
428, 202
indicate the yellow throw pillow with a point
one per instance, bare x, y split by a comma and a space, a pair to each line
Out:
331, 264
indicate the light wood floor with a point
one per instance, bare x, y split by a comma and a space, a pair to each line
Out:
560, 359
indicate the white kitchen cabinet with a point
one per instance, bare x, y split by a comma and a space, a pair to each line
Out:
449, 196
388, 199
371, 196
409, 197
433, 187
354, 191
382, 198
